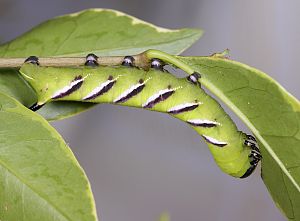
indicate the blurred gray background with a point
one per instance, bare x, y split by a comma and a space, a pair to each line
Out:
141, 163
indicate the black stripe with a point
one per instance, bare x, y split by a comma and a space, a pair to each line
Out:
102, 91
185, 109
72, 89
131, 94
159, 99
216, 144
207, 125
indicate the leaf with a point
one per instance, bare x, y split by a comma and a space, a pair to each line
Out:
12, 84
271, 113
100, 31
40, 178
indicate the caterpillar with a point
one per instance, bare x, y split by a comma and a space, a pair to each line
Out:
149, 86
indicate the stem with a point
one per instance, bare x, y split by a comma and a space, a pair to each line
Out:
142, 60
69, 61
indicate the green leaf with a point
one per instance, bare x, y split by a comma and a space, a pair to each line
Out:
12, 84
40, 178
271, 113
100, 31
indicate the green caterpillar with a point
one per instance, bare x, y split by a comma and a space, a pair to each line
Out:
152, 89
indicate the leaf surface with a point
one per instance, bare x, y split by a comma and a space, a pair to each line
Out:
40, 179
100, 31
272, 114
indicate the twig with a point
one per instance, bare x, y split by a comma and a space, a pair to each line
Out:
140, 61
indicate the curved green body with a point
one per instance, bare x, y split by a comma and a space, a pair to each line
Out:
225, 142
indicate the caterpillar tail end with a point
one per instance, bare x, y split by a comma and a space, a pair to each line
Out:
254, 156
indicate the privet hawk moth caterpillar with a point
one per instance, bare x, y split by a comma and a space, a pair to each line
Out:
150, 88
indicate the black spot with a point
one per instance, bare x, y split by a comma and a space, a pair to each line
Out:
74, 88
194, 77
32, 60
91, 60
128, 61
157, 64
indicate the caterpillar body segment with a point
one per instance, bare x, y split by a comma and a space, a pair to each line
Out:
234, 152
